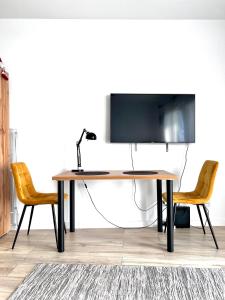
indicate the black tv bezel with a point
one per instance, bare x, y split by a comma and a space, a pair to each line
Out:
152, 142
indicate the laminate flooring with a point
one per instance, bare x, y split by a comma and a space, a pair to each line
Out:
107, 246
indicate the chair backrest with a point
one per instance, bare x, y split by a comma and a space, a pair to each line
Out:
206, 179
23, 181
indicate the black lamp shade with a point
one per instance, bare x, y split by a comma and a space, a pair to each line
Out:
91, 136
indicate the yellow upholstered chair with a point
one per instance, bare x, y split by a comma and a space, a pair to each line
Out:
27, 194
201, 194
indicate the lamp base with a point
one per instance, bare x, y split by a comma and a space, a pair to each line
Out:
77, 170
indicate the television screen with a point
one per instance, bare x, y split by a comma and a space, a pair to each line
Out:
152, 118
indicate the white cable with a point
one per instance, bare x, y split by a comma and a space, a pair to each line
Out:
185, 163
146, 226
135, 187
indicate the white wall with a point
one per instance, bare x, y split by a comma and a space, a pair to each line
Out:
61, 72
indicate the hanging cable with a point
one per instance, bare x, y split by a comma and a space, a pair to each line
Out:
107, 220
185, 163
135, 187
131, 156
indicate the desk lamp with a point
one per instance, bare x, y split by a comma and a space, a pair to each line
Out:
89, 136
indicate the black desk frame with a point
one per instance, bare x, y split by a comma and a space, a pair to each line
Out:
170, 219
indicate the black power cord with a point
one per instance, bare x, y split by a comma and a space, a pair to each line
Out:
135, 186
107, 220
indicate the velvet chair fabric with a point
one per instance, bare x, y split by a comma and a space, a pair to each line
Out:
203, 189
25, 189
201, 194
28, 195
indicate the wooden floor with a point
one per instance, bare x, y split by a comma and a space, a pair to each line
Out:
106, 246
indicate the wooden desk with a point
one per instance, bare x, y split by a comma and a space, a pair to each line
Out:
116, 175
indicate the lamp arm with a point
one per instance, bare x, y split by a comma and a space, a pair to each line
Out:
82, 134
78, 149
78, 157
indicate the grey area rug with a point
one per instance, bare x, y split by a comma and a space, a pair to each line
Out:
89, 282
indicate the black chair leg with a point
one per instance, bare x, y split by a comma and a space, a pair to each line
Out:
31, 215
65, 228
174, 215
54, 222
200, 217
20, 223
210, 225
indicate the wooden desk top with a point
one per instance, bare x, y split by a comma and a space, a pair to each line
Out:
68, 175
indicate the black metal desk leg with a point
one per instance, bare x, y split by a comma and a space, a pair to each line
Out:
60, 216
159, 205
72, 206
170, 221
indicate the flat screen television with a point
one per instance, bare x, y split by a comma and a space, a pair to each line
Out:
152, 118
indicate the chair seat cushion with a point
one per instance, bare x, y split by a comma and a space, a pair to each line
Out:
186, 198
43, 198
